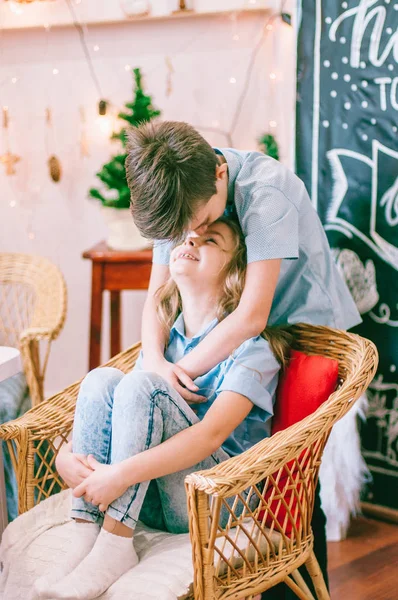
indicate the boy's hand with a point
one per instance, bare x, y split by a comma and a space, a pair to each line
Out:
103, 486
179, 380
73, 468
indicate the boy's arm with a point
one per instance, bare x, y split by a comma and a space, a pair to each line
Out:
154, 341
248, 320
152, 334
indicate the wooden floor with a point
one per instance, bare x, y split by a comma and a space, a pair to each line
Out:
365, 565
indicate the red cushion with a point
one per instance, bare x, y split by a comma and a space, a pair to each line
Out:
306, 383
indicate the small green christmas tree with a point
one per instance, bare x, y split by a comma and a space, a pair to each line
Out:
113, 174
269, 145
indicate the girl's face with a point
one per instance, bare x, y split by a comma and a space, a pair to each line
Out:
203, 257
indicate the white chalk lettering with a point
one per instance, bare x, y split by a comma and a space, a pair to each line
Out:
383, 82
362, 18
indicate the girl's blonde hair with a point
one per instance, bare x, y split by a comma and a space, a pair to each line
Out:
170, 306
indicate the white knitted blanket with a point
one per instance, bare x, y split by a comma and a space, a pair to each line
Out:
35, 543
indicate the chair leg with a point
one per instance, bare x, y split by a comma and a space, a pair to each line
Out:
299, 579
315, 573
296, 589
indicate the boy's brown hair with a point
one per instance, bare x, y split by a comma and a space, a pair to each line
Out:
171, 171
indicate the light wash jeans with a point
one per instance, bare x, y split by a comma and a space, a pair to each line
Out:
118, 416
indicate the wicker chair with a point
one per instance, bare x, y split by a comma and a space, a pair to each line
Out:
32, 309
251, 553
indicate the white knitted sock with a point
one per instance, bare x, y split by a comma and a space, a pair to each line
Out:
81, 540
110, 558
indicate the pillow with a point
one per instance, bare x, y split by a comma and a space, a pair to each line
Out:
306, 383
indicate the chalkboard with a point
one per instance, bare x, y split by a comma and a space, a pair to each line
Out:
347, 155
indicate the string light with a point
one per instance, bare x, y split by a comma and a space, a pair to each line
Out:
273, 124
96, 48
232, 80
55, 71
105, 125
14, 80
127, 67
15, 8
272, 76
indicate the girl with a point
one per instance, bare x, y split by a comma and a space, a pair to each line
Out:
140, 436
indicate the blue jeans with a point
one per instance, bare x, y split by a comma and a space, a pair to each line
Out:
118, 416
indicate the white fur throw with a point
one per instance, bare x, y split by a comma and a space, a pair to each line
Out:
343, 473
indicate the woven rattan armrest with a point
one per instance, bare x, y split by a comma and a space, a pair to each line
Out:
35, 438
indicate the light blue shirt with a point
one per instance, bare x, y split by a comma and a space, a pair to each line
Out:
252, 371
279, 221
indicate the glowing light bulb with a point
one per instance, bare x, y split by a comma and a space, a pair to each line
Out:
273, 124
105, 125
55, 71
127, 67
272, 76
15, 8
96, 48
13, 204
232, 80
14, 80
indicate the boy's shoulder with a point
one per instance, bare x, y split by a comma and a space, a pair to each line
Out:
254, 169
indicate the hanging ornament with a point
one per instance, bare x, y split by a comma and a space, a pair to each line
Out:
169, 76
102, 107
184, 6
84, 151
54, 164
8, 159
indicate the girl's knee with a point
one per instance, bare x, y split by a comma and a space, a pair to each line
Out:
98, 381
138, 386
142, 380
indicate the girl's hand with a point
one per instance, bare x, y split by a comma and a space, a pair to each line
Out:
103, 486
179, 380
73, 468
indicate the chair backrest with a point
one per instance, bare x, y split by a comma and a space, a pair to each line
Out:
32, 295
268, 493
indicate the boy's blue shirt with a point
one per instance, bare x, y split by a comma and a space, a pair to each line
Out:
252, 371
279, 221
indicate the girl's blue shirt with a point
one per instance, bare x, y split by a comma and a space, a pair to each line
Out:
279, 221
252, 371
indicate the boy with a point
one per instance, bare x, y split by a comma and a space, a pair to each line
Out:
178, 183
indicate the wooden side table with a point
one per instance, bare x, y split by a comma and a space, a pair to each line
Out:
113, 270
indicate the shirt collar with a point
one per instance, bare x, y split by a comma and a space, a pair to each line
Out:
234, 166
179, 327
